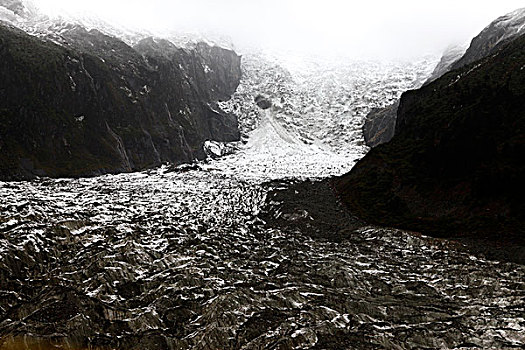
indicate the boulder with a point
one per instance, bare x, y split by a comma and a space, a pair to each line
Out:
263, 102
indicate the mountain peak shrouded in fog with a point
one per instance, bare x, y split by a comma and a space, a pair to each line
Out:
371, 29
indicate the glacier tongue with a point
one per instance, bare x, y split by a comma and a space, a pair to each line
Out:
182, 258
313, 128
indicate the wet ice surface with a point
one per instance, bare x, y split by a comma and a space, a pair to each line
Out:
130, 258
171, 259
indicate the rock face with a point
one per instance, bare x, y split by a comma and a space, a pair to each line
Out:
380, 125
449, 58
455, 165
95, 105
502, 30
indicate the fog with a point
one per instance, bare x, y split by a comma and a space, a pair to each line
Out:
363, 29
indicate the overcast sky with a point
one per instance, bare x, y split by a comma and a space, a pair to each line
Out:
362, 29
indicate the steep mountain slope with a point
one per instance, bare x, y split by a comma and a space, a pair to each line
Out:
380, 124
448, 59
93, 104
503, 29
455, 165
16, 6
28, 16
17, 10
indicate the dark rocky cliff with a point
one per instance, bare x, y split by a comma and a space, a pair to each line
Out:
379, 128
455, 165
380, 125
504, 29
451, 55
95, 105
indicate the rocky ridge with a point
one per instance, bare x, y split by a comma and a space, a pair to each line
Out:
449, 58
380, 125
500, 31
454, 166
80, 102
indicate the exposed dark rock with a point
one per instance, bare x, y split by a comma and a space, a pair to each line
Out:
183, 168
489, 41
502, 30
450, 56
96, 105
455, 165
380, 125
263, 102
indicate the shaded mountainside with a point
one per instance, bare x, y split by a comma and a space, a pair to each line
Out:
455, 166
380, 125
504, 29
451, 55
380, 129
96, 105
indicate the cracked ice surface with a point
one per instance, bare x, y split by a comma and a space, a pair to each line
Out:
183, 259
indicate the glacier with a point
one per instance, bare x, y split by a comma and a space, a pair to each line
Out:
182, 257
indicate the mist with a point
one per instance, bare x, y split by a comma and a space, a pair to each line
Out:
362, 29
